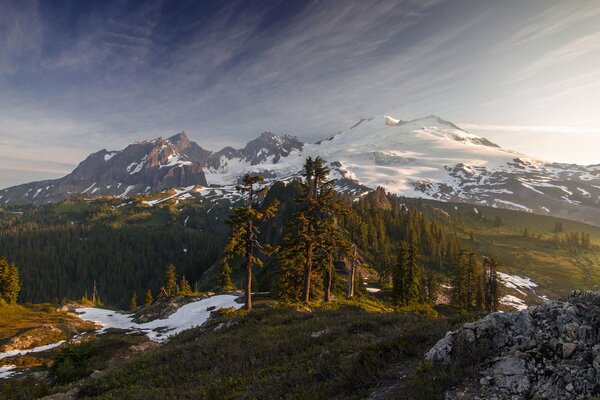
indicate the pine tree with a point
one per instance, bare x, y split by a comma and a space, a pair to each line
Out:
243, 240
413, 276
331, 243
171, 280
320, 211
184, 288
490, 285
149, 299
460, 280
133, 302
399, 274
225, 281
10, 282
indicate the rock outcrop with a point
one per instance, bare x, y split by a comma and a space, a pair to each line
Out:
549, 351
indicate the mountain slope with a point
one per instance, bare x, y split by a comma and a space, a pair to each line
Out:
142, 167
427, 157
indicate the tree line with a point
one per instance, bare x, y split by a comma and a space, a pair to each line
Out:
327, 231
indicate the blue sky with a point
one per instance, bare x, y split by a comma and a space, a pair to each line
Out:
78, 76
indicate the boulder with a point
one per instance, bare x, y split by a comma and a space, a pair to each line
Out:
550, 351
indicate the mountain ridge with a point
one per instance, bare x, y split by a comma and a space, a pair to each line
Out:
426, 157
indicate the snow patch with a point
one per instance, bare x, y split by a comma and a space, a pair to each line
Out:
110, 155
517, 282
513, 301
6, 371
37, 349
188, 316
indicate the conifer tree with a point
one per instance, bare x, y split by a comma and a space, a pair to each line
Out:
399, 274
490, 285
149, 299
460, 280
225, 281
320, 210
407, 286
171, 280
10, 282
413, 276
243, 240
290, 259
133, 302
184, 287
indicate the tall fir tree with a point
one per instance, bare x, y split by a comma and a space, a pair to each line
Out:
413, 276
399, 273
10, 282
491, 285
314, 239
243, 239
460, 280
184, 287
149, 299
171, 280
133, 303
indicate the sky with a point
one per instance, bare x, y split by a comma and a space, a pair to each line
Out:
79, 76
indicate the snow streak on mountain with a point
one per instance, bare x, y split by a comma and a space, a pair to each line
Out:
427, 157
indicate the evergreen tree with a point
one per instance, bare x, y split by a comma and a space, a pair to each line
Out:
149, 299
243, 240
490, 285
460, 280
407, 286
399, 273
314, 239
10, 282
171, 280
184, 287
413, 276
225, 281
133, 303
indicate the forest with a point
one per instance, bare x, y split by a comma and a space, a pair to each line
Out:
65, 250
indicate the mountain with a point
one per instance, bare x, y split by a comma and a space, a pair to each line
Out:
148, 167
426, 157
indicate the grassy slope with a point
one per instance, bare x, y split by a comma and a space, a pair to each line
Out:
557, 271
15, 319
272, 353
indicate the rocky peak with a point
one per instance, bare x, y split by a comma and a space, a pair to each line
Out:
268, 145
180, 139
378, 199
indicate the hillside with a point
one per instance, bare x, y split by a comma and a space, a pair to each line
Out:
125, 245
349, 350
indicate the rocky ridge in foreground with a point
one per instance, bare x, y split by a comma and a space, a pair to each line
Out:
550, 351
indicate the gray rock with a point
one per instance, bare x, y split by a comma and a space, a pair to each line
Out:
550, 351
569, 387
96, 374
568, 349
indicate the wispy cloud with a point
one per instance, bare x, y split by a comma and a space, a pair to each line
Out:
571, 51
528, 128
83, 77
556, 19
20, 34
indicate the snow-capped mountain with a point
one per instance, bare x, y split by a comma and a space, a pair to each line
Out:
426, 157
150, 166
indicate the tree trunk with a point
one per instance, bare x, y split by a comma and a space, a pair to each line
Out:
351, 277
307, 275
249, 287
327, 286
